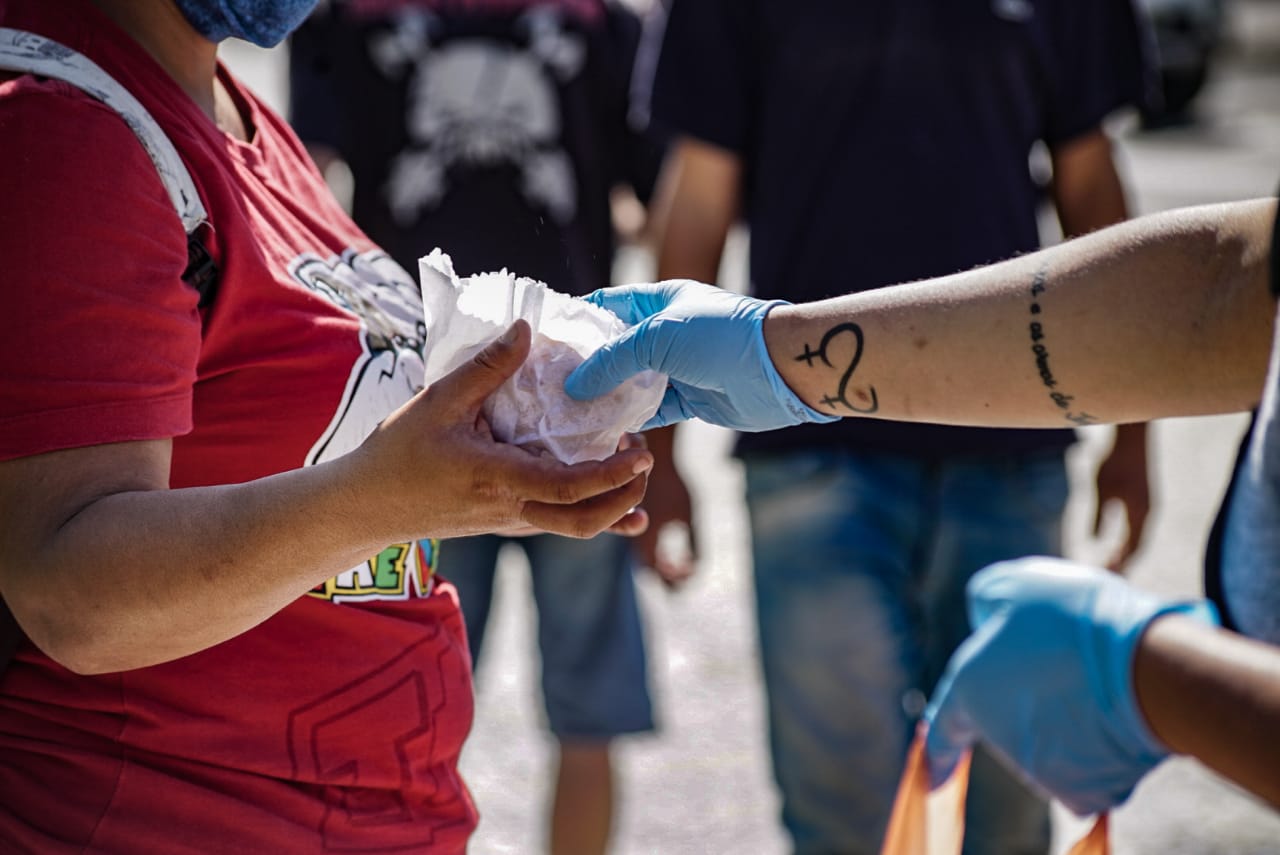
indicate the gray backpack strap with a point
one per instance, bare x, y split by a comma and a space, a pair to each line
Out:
30, 53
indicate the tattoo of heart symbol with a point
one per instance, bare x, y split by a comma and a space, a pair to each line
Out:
821, 353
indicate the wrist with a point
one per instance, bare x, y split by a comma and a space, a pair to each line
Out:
1134, 708
355, 500
772, 340
1130, 438
774, 330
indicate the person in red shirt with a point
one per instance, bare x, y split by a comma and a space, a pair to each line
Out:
450, 122
218, 519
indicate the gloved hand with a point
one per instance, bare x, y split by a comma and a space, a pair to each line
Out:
1046, 680
709, 342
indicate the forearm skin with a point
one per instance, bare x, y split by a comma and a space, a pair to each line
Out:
1169, 315
1213, 695
180, 570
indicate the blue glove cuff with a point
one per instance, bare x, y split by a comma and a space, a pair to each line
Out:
801, 411
1129, 715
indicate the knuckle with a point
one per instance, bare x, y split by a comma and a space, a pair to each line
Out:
582, 529
565, 492
489, 359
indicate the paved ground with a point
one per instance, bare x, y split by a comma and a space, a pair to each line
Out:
702, 784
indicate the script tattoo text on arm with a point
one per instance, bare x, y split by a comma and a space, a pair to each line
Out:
1040, 351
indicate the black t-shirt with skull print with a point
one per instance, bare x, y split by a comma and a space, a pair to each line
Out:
493, 129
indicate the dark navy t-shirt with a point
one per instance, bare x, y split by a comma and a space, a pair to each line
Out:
1242, 558
493, 129
889, 141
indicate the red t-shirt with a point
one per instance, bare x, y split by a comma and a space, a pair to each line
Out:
335, 725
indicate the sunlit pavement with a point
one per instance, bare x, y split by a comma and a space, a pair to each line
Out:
702, 784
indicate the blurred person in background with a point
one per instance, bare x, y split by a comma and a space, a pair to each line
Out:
219, 504
864, 145
499, 132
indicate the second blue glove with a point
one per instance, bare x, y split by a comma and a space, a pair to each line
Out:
1046, 680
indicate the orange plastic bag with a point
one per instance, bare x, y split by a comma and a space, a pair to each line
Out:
928, 822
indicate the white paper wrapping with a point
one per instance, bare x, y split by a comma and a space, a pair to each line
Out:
531, 409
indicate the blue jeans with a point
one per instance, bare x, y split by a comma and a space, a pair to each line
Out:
861, 562
594, 675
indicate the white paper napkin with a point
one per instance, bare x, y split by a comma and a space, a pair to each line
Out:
531, 409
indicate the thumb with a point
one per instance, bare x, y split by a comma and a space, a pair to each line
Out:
604, 370
950, 732
671, 411
466, 387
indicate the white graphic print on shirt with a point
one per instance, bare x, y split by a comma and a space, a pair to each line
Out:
388, 373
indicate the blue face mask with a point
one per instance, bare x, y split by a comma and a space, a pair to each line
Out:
263, 22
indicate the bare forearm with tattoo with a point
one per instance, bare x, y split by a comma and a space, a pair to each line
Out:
1166, 315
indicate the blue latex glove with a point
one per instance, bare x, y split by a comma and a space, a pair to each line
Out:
1046, 680
709, 342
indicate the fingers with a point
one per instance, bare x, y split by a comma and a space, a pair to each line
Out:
654, 552
548, 481
950, 732
994, 589
671, 411
612, 510
985, 592
674, 574
1120, 557
633, 303
1117, 556
465, 388
632, 440
657, 420
645, 546
1137, 521
635, 522
951, 729
620, 301
675, 553
604, 370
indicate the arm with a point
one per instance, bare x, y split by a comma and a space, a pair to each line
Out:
1123, 476
1215, 696
1167, 315
698, 201
1110, 679
1089, 195
1163, 316
667, 502
696, 204
1087, 191
1046, 680
431, 469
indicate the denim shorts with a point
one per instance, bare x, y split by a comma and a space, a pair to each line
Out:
594, 674
861, 562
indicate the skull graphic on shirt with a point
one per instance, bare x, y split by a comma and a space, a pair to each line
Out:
480, 102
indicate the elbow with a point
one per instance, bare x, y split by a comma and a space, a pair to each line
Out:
84, 660
72, 642
77, 657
